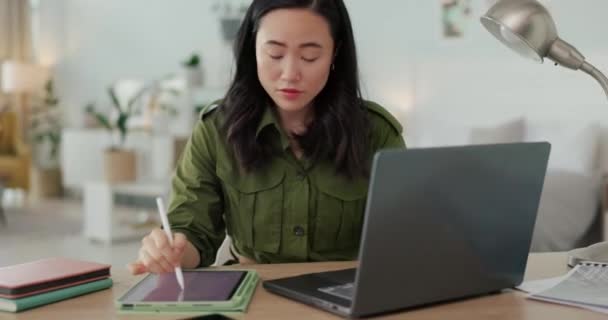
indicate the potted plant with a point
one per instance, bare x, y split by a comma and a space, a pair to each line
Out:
162, 107
231, 16
120, 162
193, 71
45, 136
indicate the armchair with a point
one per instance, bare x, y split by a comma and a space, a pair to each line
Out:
15, 157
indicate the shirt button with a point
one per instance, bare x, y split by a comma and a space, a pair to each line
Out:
298, 231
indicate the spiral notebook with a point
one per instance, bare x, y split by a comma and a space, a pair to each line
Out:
585, 286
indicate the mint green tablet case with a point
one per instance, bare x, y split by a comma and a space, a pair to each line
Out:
238, 303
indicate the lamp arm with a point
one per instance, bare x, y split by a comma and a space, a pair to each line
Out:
566, 55
595, 73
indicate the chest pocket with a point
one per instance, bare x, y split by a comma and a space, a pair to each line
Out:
253, 206
339, 213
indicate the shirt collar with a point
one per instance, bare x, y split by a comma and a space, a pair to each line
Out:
269, 119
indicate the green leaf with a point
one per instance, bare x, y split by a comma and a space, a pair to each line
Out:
55, 137
89, 107
38, 138
49, 86
193, 61
174, 92
121, 123
54, 151
51, 101
138, 95
114, 99
102, 119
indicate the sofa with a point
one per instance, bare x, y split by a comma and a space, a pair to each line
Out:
570, 214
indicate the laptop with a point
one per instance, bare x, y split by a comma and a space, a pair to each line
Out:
440, 224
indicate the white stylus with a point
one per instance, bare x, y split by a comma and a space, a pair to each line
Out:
163, 218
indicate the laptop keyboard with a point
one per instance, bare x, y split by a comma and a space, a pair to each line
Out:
344, 291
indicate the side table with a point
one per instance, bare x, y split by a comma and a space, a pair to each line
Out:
106, 221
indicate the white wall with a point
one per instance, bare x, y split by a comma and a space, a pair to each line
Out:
93, 43
405, 63
447, 84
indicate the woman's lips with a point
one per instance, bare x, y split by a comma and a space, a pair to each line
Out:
290, 94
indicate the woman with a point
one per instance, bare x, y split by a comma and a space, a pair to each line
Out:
282, 162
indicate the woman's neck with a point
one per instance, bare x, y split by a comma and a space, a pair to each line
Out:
296, 122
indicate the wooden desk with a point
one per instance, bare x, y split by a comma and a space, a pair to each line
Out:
509, 305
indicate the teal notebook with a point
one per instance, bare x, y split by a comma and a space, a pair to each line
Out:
15, 305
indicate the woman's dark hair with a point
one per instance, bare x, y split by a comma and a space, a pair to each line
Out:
340, 130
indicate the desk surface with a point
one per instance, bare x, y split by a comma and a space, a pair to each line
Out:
508, 305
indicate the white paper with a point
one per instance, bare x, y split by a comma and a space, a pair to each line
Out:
585, 286
535, 286
578, 305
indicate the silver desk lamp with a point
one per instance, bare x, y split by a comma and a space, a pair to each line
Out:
527, 27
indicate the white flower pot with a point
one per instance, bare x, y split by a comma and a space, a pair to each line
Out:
194, 77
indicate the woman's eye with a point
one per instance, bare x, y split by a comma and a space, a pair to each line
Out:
275, 57
309, 59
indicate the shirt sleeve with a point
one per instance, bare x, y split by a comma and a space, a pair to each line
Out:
385, 135
386, 131
196, 206
393, 140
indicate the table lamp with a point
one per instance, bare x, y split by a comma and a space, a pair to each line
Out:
527, 27
21, 78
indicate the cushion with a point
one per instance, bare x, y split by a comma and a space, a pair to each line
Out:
422, 132
574, 146
567, 209
511, 131
603, 151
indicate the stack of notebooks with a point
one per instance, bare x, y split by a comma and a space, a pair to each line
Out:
41, 282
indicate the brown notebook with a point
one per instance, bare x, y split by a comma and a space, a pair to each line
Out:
44, 275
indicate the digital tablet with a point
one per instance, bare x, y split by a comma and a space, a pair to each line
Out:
205, 290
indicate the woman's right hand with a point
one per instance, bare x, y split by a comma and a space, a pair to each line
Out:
156, 255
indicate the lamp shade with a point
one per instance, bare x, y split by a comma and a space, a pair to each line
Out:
523, 25
19, 77
527, 27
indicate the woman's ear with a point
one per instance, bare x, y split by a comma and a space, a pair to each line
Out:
336, 51
333, 59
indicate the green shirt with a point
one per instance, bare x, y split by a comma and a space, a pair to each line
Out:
291, 210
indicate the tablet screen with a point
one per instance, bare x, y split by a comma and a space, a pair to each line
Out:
199, 286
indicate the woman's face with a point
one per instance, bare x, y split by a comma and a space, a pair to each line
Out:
294, 52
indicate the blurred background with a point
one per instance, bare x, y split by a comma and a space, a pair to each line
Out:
99, 97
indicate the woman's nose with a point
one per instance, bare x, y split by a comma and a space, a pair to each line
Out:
291, 71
